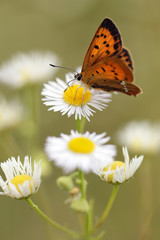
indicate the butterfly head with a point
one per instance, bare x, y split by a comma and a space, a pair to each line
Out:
78, 76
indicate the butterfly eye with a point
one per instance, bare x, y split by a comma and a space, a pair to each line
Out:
79, 77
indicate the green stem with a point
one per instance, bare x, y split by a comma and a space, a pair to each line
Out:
53, 223
108, 207
74, 174
82, 185
80, 125
89, 220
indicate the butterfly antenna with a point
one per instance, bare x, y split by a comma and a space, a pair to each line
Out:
63, 68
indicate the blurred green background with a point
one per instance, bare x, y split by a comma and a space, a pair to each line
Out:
66, 28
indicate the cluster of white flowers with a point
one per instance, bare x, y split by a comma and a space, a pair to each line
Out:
89, 152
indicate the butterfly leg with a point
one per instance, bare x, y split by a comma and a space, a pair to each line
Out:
84, 91
77, 91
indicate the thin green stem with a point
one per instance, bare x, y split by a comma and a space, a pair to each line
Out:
89, 220
90, 215
82, 184
74, 174
53, 223
80, 125
108, 207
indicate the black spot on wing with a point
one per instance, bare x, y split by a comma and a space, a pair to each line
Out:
108, 52
116, 45
96, 46
124, 54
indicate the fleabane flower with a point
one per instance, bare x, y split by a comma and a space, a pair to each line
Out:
119, 172
11, 113
80, 151
28, 68
74, 100
140, 137
21, 180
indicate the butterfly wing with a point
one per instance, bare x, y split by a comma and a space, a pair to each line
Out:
112, 75
126, 58
105, 44
106, 65
117, 86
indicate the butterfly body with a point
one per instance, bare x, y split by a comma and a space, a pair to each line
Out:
107, 65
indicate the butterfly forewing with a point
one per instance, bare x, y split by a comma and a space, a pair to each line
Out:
105, 44
125, 56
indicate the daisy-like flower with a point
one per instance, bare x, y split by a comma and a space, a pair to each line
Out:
140, 137
21, 180
80, 151
76, 99
119, 172
23, 69
11, 113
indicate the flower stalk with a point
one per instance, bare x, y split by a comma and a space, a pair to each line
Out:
53, 223
108, 207
80, 125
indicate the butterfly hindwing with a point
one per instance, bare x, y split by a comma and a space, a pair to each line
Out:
111, 75
116, 85
105, 44
111, 69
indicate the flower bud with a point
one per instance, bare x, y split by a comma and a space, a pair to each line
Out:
80, 205
66, 183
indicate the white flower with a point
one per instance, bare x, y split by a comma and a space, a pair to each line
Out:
140, 137
23, 68
119, 172
80, 151
11, 113
76, 99
21, 181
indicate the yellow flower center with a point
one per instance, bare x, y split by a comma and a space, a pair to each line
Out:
76, 96
20, 179
113, 166
81, 145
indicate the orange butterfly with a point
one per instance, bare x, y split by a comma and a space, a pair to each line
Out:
107, 65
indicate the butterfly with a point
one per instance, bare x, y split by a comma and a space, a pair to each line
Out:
107, 65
